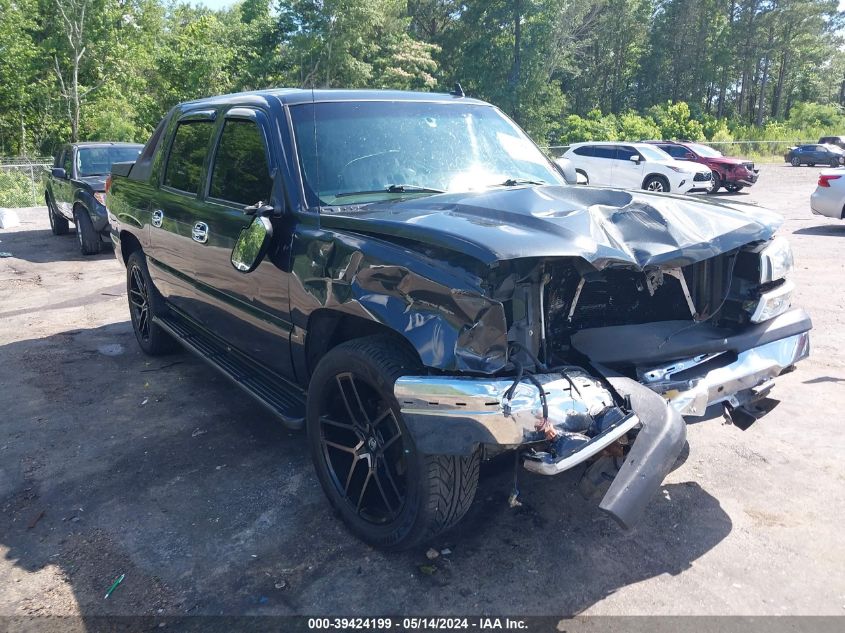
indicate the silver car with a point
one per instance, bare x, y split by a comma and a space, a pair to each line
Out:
829, 197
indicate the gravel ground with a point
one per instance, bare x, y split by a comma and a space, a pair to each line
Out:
113, 463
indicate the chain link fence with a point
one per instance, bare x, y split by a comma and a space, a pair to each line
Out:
21, 183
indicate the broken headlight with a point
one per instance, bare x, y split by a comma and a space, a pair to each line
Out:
776, 260
773, 302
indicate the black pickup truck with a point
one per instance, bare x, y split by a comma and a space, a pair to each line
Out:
74, 190
409, 278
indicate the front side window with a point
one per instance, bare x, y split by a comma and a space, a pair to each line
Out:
187, 153
240, 173
584, 150
626, 153
653, 153
67, 161
375, 150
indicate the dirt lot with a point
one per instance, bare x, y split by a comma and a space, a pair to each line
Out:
113, 463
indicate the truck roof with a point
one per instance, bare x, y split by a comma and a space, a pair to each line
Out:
294, 96
104, 144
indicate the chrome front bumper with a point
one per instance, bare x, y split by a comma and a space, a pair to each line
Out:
694, 384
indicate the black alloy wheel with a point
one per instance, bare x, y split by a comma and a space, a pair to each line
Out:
361, 440
389, 494
144, 304
139, 302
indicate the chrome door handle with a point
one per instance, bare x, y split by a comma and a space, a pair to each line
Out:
158, 218
200, 232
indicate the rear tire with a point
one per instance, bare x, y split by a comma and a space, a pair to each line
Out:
58, 224
88, 238
389, 494
834, 162
145, 303
734, 188
656, 183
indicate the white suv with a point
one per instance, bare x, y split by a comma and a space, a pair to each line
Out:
636, 166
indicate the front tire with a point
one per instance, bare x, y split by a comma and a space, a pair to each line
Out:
716, 185
58, 224
734, 188
88, 238
144, 303
389, 494
796, 162
656, 183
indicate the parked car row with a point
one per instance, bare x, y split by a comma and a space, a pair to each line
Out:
662, 166
815, 154
407, 277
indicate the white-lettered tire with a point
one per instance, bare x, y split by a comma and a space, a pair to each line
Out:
386, 492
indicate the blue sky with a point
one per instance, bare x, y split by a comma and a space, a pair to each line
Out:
215, 4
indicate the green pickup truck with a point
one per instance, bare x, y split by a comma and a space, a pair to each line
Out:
74, 190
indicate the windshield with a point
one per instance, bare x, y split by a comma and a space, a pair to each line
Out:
653, 153
96, 161
703, 150
374, 150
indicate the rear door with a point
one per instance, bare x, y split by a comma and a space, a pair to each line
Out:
62, 189
604, 157
176, 208
252, 308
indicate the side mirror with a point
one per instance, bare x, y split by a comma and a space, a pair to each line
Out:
59, 172
252, 244
566, 169
634, 159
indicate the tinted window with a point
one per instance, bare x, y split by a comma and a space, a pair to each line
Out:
240, 173
625, 153
584, 150
92, 161
67, 160
676, 151
605, 151
187, 153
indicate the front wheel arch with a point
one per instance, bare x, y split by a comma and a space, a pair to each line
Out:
657, 177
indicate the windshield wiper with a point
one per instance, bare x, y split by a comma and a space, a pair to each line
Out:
513, 182
391, 189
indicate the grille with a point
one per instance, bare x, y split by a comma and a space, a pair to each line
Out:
700, 176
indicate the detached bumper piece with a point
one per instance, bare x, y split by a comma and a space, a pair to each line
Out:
455, 414
736, 379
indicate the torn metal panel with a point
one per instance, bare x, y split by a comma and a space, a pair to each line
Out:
440, 308
605, 227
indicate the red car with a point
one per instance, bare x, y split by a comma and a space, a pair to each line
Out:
731, 173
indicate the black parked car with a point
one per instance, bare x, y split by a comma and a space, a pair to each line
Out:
839, 141
813, 155
407, 276
74, 190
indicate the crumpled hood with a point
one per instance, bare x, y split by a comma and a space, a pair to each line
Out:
725, 160
605, 227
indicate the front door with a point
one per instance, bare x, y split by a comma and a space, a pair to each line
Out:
251, 308
627, 173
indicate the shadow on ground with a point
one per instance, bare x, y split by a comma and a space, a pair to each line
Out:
40, 246
834, 230
114, 463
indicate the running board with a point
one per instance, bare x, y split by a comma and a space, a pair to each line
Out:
279, 395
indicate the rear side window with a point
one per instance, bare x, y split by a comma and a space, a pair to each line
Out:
187, 153
584, 150
605, 151
676, 151
240, 173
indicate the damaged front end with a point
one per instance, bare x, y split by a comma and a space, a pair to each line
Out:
607, 361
